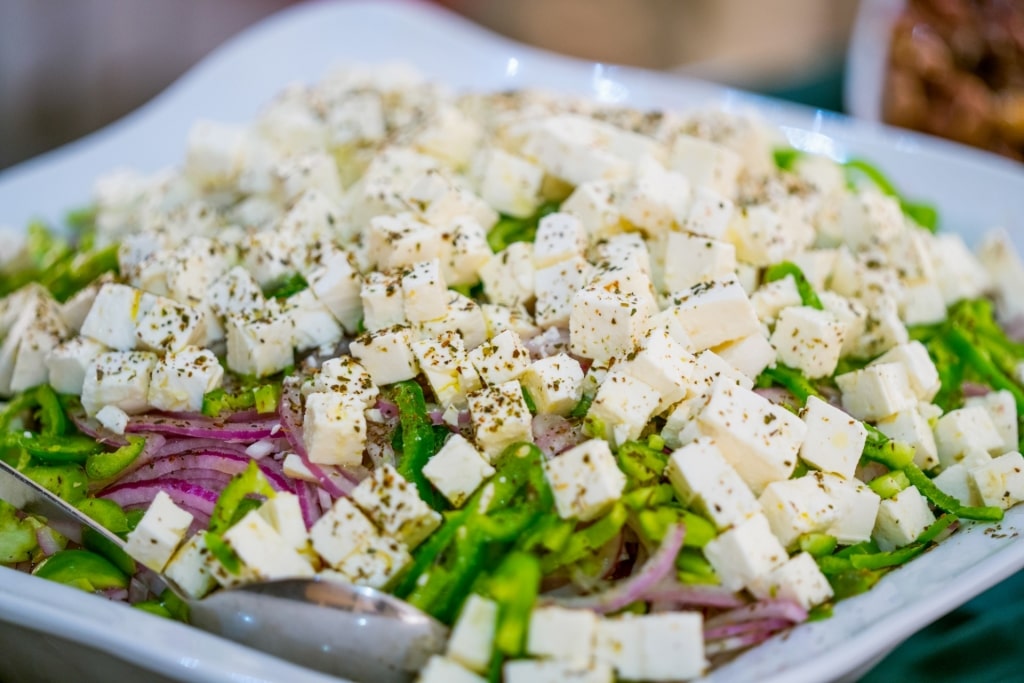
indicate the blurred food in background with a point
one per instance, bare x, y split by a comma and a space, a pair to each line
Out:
956, 69
67, 68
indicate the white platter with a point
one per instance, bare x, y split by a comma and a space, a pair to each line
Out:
89, 639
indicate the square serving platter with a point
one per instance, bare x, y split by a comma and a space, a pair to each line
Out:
51, 632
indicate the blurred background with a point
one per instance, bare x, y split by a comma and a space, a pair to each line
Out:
67, 68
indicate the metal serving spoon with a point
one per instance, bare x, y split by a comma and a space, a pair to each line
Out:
344, 630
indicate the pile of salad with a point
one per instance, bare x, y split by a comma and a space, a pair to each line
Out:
616, 394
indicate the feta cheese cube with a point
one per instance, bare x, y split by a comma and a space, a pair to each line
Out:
555, 383
560, 237
797, 506
395, 506
346, 376
457, 470
472, 638
809, 340
335, 281
857, 507
342, 531
760, 439
463, 316
877, 391
386, 354
374, 565
555, 671
799, 580
284, 514
159, 533
1000, 482
236, 291
749, 355
745, 553
263, 551
468, 252
691, 259
663, 364
180, 380
655, 200
113, 419
638, 647
585, 480
1002, 262
574, 148
912, 428
964, 276
924, 378
773, 297
500, 359
716, 312
706, 163
960, 430
851, 313
592, 203
313, 324
1002, 409
444, 670
500, 318
834, 440
621, 408
424, 292
383, 301
402, 240
702, 478
445, 364
956, 481
902, 518
189, 568
710, 213
260, 342
334, 429
605, 324
563, 634
509, 183
118, 378
555, 287
508, 276
67, 363
115, 314
500, 417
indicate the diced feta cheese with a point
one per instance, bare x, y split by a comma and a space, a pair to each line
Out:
963, 275
374, 565
443, 670
655, 200
773, 297
118, 378
799, 580
76, 308
472, 638
834, 440
574, 148
555, 383
555, 287
691, 259
797, 506
67, 363
710, 213
457, 470
902, 518
395, 506
424, 292
622, 407
450, 136
702, 478
1002, 409
189, 568
956, 481
508, 276
386, 354
295, 468
912, 428
563, 634
236, 291
877, 391
115, 314
159, 533
763, 234
592, 203
857, 507
445, 364
382, 299
605, 324
560, 237
1002, 262
260, 342
809, 340
169, 326
745, 553
500, 359
555, 671
335, 280
760, 439
215, 152
852, 314
749, 355
468, 252
706, 163
346, 376
342, 531
313, 324
958, 431
500, 417
921, 303
270, 255
924, 378
1001, 482
713, 313
113, 419
585, 480
334, 429
284, 514
402, 240
263, 551
509, 183
653, 647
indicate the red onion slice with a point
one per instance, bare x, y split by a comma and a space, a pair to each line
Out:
763, 609
174, 425
183, 493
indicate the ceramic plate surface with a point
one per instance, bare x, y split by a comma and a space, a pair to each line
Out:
89, 639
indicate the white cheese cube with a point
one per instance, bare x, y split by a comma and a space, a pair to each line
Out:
911, 427
313, 183
622, 407
773, 297
921, 303
509, 183
585, 480
902, 518
180, 380
189, 568
508, 276
883, 329
960, 430
760, 439
1000, 482
655, 200
457, 470
706, 163
1002, 262
468, 253
333, 429
870, 218
159, 533
620, 645
342, 531
797, 506
672, 646
263, 551
691, 259
295, 468
119, 378
963, 275
443, 670
799, 580
857, 507
74, 310
445, 364
877, 391
260, 343
852, 314
956, 481
710, 213
383, 301
555, 287
236, 291
215, 152
402, 240
395, 506
472, 638
574, 148
667, 321
566, 635
346, 376
115, 314
500, 417
424, 292
1001, 407
335, 280
450, 136
763, 234
375, 564
270, 255
560, 237
67, 363
113, 419
386, 354
500, 318
555, 383
313, 324
808, 340
500, 359
663, 364
462, 316
626, 272
605, 324
924, 378
744, 553
555, 671
284, 514
702, 478
356, 118
834, 440
713, 313
169, 326
816, 265
749, 355
592, 203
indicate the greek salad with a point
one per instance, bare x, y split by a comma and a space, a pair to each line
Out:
616, 394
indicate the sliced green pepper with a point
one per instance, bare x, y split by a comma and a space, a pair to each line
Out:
231, 502
67, 481
52, 420
55, 450
790, 378
588, 540
889, 484
105, 465
417, 441
924, 215
948, 503
17, 536
82, 569
514, 586
817, 545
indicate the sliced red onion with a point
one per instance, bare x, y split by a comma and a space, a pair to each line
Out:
91, 428
192, 445
183, 493
636, 586
49, 540
203, 462
115, 594
763, 609
388, 410
726, 645
138, 590
159, 423
733, 630
672, 591
554, 433
972, 389
308, 503
779, 396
